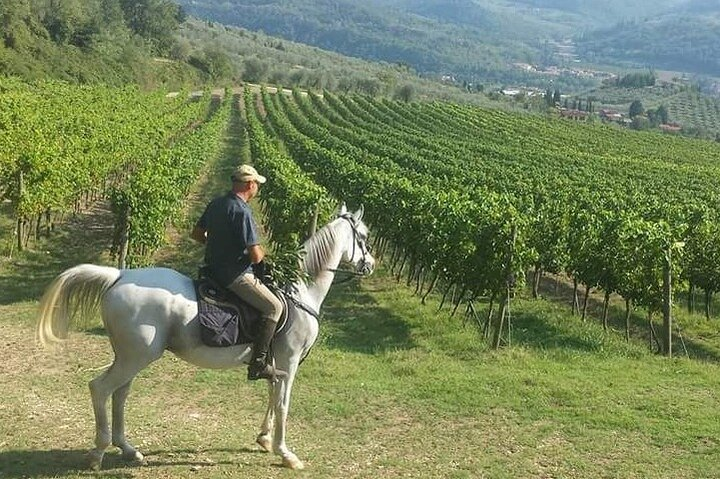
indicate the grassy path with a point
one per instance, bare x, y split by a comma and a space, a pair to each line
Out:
392, 389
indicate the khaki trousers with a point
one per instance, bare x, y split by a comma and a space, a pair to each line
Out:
251, 290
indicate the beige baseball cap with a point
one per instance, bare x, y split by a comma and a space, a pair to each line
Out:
244, 173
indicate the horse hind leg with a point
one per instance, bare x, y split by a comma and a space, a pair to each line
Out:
117, 378
129, 453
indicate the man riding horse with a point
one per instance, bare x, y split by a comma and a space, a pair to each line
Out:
233, 254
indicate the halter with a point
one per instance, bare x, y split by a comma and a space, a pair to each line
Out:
290, 292
364, 248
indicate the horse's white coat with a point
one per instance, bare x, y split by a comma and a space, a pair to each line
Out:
146, 311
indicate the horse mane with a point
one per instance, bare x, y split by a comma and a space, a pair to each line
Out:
319, 249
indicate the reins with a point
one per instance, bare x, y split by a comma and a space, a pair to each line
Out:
350, 274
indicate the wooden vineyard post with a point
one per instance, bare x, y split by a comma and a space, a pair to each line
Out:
20, 219
123, 246
667, 303
505, 304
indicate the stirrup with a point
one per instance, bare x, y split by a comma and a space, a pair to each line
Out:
265, 372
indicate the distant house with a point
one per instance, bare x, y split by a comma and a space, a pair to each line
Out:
611, 115
671, 128
573, 114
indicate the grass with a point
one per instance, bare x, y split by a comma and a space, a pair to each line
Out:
392, 389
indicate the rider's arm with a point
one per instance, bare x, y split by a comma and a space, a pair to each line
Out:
199, 234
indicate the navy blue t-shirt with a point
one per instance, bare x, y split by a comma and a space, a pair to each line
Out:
230, 230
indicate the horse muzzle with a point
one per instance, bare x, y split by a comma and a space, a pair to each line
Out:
365, 268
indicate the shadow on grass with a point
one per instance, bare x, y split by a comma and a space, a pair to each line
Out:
533, 330
58, 462
558, 291
354, 322
82, 239
53, 463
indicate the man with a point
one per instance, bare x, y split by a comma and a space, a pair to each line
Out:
232, 247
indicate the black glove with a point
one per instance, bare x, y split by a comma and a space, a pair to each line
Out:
262, 271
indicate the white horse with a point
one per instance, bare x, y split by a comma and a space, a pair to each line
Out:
146, 311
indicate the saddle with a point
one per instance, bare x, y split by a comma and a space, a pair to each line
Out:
225, 319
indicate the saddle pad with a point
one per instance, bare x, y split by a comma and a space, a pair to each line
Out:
224, 323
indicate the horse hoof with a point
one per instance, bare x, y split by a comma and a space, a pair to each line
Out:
134, 457
293, 463
264, 442
95, 460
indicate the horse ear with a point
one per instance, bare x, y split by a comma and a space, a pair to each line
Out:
342, 210
359, 213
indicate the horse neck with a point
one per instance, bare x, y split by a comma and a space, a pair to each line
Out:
323, 252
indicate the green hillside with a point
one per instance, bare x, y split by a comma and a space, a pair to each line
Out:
698, 114
110, 41
592, 13
679, 42
158, 46
455, 39
259, 58
480, 41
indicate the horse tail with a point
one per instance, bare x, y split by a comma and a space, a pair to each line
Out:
75, 290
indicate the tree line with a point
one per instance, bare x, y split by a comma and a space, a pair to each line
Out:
85, 23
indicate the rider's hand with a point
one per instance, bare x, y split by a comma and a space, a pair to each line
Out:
262, 272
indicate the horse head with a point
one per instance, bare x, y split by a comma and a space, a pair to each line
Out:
357, 249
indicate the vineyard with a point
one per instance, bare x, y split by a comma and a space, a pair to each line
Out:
62, 146
687, 107
462, 200
692, 109
468, 209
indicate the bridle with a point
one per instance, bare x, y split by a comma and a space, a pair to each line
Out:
364, 268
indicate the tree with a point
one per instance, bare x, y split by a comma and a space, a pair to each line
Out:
636, 109
662, 114
640, 123
255, 70
218, 63
13, 22
557, 97
155, 20
405, 93
549, 97
637, 80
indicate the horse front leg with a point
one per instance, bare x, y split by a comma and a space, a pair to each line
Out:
281, 402
264, 439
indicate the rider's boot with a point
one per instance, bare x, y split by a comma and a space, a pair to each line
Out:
259, 367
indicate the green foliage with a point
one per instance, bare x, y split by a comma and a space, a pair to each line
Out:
636, 80
679, 42
636, 109
616, 204
255, 70
109, 41
405, 93
162, 178
463, 38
